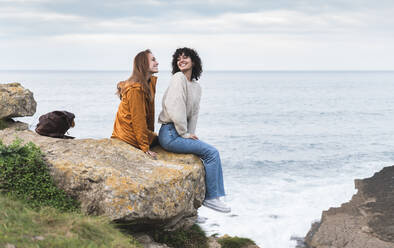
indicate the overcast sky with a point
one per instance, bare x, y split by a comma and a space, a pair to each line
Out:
228, 34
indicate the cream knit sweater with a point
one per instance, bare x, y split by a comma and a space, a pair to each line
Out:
181, 104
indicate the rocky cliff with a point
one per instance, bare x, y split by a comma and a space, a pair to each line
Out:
366, 221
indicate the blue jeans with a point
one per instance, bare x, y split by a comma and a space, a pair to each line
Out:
170, 140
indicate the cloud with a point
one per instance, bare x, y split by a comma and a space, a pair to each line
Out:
280, 34
155, 8
33, 22
10, 13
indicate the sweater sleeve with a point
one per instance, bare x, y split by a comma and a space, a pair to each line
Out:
138, 118
175, 104
192, 123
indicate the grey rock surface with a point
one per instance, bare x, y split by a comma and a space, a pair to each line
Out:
16, 101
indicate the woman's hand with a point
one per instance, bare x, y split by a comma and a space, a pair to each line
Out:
152, 154
193, 136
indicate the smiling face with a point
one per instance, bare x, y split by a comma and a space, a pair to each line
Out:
153, 64
184, 63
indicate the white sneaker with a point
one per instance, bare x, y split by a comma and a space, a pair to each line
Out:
217, 205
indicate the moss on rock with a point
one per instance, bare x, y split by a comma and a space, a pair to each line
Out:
3, 124
193, 237
235, 242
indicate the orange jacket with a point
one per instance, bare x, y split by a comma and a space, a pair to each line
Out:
135, 119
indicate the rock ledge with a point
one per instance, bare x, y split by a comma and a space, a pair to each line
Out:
112, 178
366, 221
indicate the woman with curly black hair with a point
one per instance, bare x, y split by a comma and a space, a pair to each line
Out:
180, 107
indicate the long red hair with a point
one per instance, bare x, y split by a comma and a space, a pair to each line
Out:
139, 75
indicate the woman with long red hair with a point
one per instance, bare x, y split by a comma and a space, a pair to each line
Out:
135, 118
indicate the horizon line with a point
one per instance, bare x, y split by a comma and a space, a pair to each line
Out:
97, 70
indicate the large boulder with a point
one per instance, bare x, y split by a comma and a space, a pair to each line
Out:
366, 221
112, 178
16, 101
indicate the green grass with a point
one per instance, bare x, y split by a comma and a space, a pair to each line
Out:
21, 225
24, 175
234, 242
33, 208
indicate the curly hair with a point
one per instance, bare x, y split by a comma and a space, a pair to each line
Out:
197, 65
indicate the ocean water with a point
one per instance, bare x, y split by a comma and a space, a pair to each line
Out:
291, 143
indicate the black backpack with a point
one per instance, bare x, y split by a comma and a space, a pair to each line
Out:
55, 124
